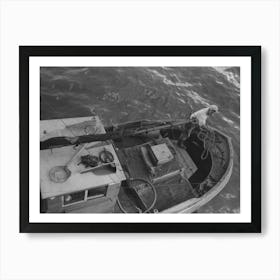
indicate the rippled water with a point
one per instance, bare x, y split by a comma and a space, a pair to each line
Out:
121, 94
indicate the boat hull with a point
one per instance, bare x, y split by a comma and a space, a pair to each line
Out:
220, 156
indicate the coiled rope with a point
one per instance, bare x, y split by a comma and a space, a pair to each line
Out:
208, 138
153, 203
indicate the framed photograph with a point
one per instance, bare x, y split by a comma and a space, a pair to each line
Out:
140, 138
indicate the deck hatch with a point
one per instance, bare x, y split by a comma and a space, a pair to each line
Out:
160, 154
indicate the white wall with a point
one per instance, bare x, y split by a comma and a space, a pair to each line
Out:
123, 256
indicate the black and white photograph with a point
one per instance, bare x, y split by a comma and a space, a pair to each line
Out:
134, 139
140, 139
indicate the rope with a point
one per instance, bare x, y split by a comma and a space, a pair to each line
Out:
203, 135
153, 203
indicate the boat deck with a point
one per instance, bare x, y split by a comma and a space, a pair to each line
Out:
170, 179
184, 181
169, 193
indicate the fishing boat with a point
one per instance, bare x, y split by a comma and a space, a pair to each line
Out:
145, 166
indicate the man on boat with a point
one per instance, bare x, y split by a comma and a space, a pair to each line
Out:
201, 116
197, 118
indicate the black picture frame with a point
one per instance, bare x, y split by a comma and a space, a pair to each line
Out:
25, 52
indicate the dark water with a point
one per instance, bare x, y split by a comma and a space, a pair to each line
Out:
121, 94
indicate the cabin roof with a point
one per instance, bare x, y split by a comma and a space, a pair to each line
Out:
60, 156
76, 182
70, 127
